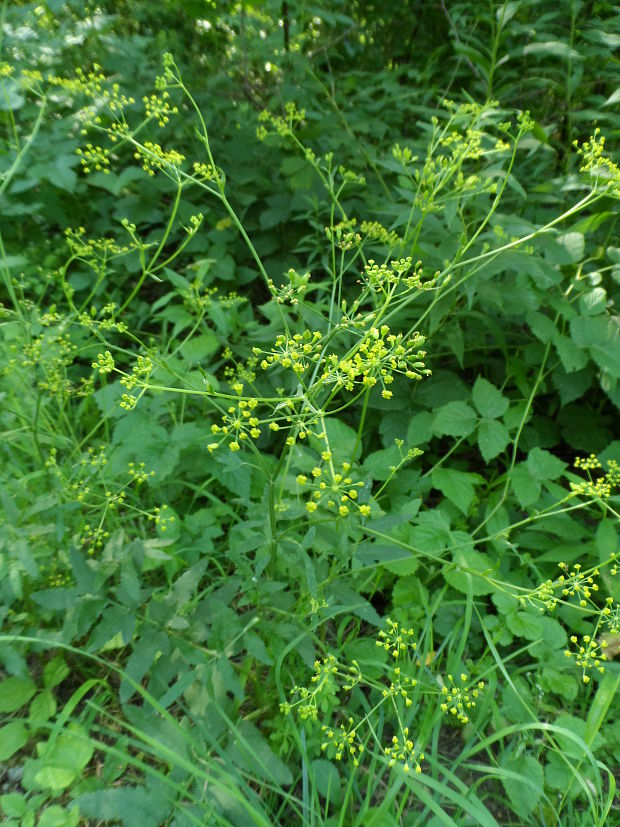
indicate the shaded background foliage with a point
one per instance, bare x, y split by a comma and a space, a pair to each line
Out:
368, 75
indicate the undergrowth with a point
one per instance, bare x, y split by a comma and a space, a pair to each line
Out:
310, 467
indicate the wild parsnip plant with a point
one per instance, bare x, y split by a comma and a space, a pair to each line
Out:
336, 545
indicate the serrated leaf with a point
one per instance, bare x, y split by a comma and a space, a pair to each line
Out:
15, 693
128, 805
489, 400
42, 708
458, 486
542, 465
524, 792
63, 758
57, 816
13, 737
493, 437
455, 419
573, 358
526, 489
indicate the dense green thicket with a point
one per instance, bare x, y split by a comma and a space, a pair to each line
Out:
309, 396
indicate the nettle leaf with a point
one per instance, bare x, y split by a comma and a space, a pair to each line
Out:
458, 486
526, 790
13, 737
542, 465
493, 437
489, 400
455, 419
15, 693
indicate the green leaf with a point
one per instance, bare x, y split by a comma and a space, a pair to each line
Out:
54, 672
489, 400
458, 486
525, 625
15, 693
524, 792
493, 437
553, 680
42, 708
573, 358
57, 816
526, 489
13, 805
468, 569
606, 539
128, 805
455, 419
379, 464
420, 430
199, 347
63, 758
542, 465
342, 440
593, 302
13, 736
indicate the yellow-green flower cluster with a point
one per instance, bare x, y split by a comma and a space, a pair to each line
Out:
343, 234
139, 373
94, 158
161, 518
374, 231
154, 157
400, 687
376, 359
293, 291
159, 108
104, 363
97, 248
588, 654
594, 161
397, 640
332, 489
398, 272
611, 616
296, 352
138, 473
459, 699
239, 423
575, 584
323, 681
343, 742
403, 751
282, 126
602, 487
